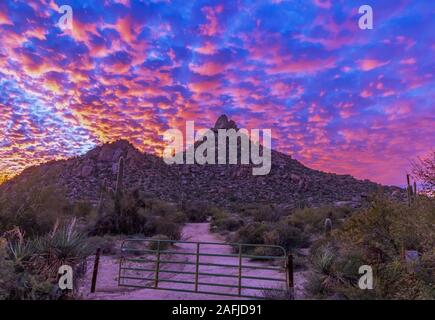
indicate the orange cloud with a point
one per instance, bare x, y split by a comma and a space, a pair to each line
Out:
370, 64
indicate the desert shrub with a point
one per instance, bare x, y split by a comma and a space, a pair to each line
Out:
34, 210
63, 245
198, 211
321, 278
179, 217
22, 285
273, 233
228, 224
252, 233
277, 294
82, 209
264, 213
161, 208
290, 236
7, 273
377, 236
134, 215
29, 266
311, 220
106, 243
129, 217
167, 227
154, 245
299, 261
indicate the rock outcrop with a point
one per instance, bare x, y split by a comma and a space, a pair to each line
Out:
289, 183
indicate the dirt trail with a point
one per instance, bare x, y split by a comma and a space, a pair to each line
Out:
107, 284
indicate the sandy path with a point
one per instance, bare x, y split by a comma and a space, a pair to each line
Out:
107, 284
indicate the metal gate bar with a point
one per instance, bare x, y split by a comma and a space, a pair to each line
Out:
129, 247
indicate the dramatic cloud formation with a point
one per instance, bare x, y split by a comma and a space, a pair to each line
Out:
337, 98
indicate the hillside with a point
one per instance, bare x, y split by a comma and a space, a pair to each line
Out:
289, 183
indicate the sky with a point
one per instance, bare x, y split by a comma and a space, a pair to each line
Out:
338, 98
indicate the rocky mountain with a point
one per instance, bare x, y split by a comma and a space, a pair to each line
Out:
289, 183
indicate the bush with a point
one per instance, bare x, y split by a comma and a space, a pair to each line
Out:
29, 267
264, 213
107, 244
291, 237
137, 216
252, 233
63, 245
227, 224
312, 220
167, 227
34, 210
82, 209
154, 245
198, 211
277, 294
377, 236
278, 233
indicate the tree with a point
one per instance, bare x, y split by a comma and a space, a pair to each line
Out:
423, 170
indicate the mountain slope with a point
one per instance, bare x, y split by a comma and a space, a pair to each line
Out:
289, 183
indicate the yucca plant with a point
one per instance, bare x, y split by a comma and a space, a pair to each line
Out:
63, 245
323, 260
19, 250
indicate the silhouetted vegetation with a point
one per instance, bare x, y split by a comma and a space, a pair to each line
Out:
29, 266
378, 236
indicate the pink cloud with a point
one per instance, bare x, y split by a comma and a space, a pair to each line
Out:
301, 66
212, 27
370, 64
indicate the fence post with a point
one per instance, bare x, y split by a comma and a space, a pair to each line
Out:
290, 275
156, 280
197, 267
119, 271
95, 273
240, 270
409, 190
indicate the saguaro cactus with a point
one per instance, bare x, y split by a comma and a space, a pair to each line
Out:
119, 185
328, 224
120, 177
409, 190
101, 202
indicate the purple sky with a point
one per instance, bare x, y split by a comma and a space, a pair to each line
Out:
337, 98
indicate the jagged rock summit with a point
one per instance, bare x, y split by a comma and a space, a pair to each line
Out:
223, 123
289, 183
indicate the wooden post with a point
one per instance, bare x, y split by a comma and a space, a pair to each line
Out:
402, 251
290, 275
240, 270
156, 279
95, 274
119, 271
197, 267
415, 190
409, 190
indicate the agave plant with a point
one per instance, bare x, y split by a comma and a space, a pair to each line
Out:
19, 250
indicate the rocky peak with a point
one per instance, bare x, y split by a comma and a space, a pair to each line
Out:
112, 151
118, 144
289, 182
223, 123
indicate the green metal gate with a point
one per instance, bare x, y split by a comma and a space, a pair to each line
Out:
227, 269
